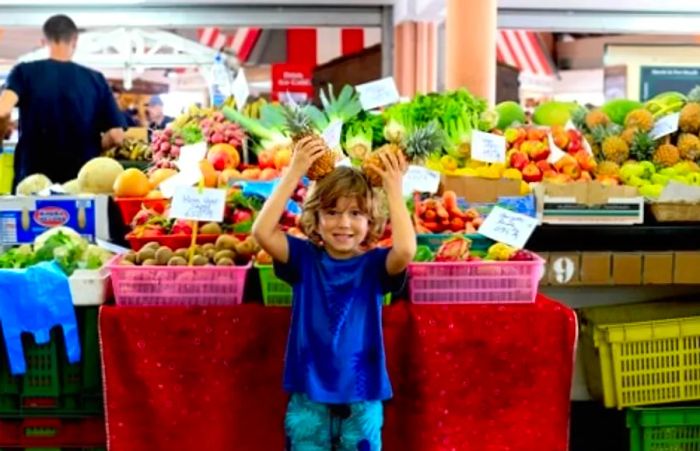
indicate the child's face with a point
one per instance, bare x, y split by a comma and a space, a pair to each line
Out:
343, 228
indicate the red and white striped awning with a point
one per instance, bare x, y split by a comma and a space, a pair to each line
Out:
241, 42
523, 49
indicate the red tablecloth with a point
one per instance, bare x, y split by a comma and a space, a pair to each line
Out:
474, 378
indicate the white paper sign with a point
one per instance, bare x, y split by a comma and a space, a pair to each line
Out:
191, 155
665, 126
488, 147
555, 153
508, 227
345, 162
378, 93
194, 204
423, 180
187, 178
680, 192
331, 135
240, 89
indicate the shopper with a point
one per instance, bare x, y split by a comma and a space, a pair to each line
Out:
67, 114
157, 120
335, 369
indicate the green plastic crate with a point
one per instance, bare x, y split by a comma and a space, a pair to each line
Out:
278, 293
664, 429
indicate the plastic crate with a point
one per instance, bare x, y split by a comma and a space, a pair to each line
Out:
435, 240
52, 433
89, 287
174, 242
642, 354
177, 285
475, 282
664, 429
278, 293
50, 385
130, 206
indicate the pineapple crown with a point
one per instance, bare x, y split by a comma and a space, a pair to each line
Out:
642, 146
600, 132
422, 141
578, 117
694, 94
297, 119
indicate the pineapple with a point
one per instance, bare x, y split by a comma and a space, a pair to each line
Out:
596, 118
416, 147
666, 155
642, 146
607, 169
689, 121
689, 146
628, 135
615, 149
299, 125
640, 118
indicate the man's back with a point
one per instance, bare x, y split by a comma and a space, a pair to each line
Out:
64, 107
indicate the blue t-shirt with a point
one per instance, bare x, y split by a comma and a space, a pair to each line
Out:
335, 350
63, 109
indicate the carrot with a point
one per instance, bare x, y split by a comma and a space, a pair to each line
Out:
449, 199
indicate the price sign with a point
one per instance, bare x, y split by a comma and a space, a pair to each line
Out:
378, 93
331, 135
191, 155
488, 147
665, 126
420, 179
187, 178
240, 89
196, 204
555, 153
508, 227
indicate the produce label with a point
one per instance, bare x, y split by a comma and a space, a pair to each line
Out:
191, 155
196, 204
665, 126
378, 93
508, 227
420, 179
331, 135
240, 89
488, 147
555, 153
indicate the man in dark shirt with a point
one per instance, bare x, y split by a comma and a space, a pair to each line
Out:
157, 120
67, 114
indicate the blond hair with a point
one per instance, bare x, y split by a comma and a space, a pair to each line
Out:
342, 182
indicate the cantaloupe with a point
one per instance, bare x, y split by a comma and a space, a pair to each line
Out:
97, 176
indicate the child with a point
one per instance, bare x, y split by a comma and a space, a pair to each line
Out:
335, 369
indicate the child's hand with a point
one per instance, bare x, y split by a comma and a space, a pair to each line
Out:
392, 174
306, 152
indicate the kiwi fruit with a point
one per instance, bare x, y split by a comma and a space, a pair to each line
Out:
210, 253
200, 260
224, 254
130, 256
177, 261
224, 261
144, 254
182, 252
150, 262
163, 255
125, 262
207, 246
210, 228
151, 245
226, 242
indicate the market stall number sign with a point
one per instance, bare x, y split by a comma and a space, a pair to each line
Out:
563, 269
513, 229
195, 204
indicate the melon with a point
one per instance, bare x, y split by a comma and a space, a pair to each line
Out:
32, 184
98, 175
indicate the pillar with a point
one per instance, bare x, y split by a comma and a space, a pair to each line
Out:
470, 46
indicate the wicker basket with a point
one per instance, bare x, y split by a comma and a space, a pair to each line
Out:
675, 211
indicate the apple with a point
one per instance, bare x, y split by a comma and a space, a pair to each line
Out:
531, 173
518, 160
282, 157
269, 174
251, 173
544, 166
265, 159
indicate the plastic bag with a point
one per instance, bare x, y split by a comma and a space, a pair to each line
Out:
35, 300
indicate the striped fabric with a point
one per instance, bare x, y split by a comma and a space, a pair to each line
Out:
241, 41
524, 50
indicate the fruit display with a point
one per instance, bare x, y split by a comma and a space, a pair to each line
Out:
459, 249
650, 179
226, 251
130, 149
443, 215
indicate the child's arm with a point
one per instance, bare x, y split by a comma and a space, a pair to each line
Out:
265, 229
403, 233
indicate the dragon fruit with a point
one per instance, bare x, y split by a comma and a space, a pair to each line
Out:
455, 249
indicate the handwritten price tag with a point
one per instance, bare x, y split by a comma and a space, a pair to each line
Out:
555, 153
198, 205
420, 179
240, 89
378, 93
665, 126
331, 135
191, 155
508, 227
488, 147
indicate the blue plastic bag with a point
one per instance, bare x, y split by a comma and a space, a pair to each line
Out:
35, 300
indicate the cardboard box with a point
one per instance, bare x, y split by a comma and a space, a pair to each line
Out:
23, 218
564, 268
588, 202
596, 268
627, 269
478, 189
686, 268
658, 268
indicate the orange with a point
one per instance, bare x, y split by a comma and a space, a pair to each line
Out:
211, 175
235, 158
131, 183
161, 174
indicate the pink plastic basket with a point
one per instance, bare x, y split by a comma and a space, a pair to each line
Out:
475, 282
177, 285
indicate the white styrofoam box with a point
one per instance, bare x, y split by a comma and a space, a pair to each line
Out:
89, 287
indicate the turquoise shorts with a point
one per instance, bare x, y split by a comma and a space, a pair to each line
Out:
312, 426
